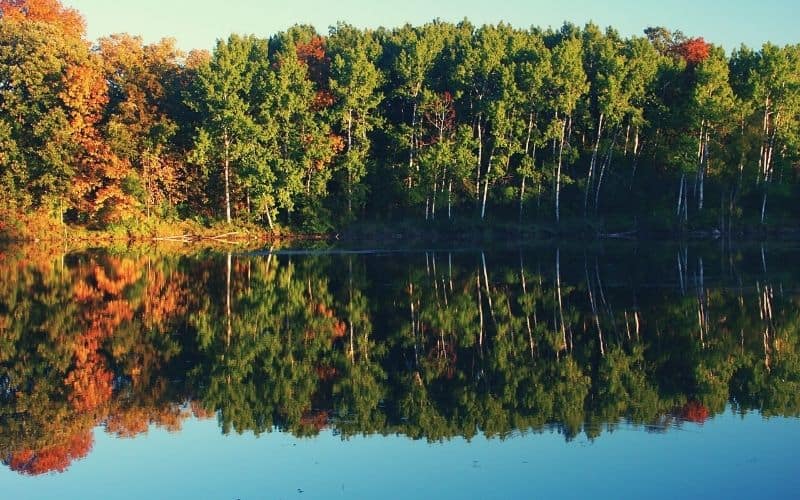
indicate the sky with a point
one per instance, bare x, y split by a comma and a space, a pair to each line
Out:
198, 23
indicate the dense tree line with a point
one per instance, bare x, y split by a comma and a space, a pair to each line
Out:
430, 346
434, 122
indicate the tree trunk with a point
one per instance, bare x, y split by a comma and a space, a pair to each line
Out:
226, 168
593, 305
449, 200
433, 202
349, 169
558, 170
525, 294
480, 159
627, 137
269, 219
592, 163
560, 303
606, 164
703, 170
486, 186
412, 144
229, 327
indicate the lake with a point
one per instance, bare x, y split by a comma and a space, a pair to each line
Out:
616, 369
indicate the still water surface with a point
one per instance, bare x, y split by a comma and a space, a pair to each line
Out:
618, 370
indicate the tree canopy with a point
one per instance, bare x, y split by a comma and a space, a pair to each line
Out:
438, 122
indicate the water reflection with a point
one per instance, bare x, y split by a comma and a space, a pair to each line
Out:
426, 345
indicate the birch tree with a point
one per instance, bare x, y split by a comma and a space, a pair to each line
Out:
354, 82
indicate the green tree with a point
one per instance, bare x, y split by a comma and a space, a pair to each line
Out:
354, 83
227, 135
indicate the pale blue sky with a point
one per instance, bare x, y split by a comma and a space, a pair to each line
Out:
197, 24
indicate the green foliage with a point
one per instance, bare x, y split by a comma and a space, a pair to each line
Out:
431, 347
313, 131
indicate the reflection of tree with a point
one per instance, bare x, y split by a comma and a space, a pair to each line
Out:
71, 358
53, 458
429, 346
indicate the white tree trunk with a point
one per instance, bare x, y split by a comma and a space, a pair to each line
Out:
558, 171
592, 163
226, 168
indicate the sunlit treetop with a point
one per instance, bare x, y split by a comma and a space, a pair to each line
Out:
693, 50
45, 11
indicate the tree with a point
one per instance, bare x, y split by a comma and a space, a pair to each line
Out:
227, 134
297, 140
51, 12
713, 105
533, 69
567, 85
354, 84
138, 122
37, 162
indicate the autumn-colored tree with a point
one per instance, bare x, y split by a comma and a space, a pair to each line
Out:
314, 55
98, 184
104, 311
55, 458
137, 123
694, 412
50, 12
693, 50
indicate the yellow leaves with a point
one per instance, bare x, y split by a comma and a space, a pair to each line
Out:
85, 95
128, 423
196, 59
85, 293
165, 300
97, 185
126, 273
90, 380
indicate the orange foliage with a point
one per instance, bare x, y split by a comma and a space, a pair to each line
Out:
138, 75
694, 411
90, 381
339, 328
200, 412
128, 423
46, 11
197, 58
337, 143
166, 298
125, 273
323, 99
170, 419
100, 172
693, 50
134, 421
52, 459
313, 55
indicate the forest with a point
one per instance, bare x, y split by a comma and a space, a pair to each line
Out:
430, 346
444, 123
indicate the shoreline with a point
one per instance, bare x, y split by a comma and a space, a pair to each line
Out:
382, 233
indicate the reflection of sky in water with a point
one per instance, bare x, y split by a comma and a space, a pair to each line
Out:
727, 457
